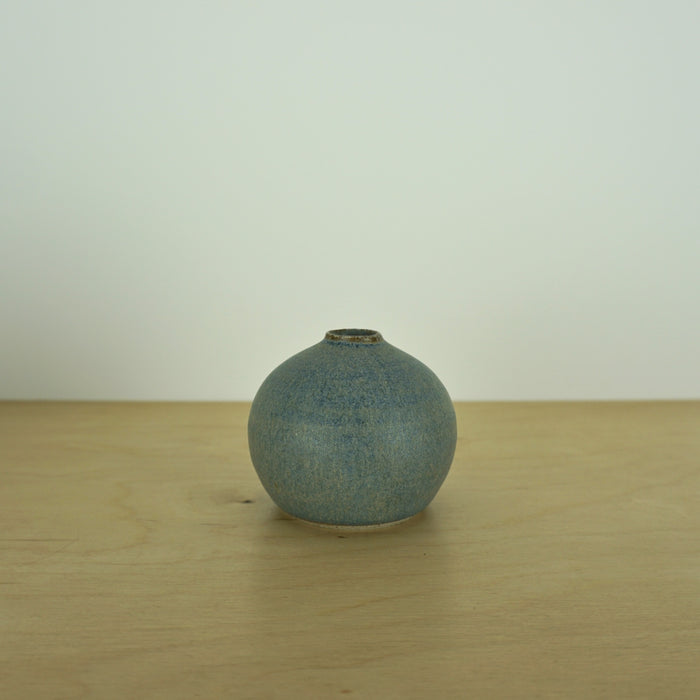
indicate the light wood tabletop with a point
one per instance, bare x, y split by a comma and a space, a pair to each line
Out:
141, 558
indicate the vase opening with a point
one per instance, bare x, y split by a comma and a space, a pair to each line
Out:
354, 335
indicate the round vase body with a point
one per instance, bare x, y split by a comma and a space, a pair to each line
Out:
352, 431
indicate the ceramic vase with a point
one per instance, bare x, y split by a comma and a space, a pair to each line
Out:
352, 432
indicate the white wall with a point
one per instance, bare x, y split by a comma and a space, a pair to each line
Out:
191, 192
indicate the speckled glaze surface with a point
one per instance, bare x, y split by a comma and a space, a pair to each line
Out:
352, 431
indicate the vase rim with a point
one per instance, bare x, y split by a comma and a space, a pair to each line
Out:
354, 335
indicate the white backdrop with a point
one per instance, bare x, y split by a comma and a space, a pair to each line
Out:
191, 192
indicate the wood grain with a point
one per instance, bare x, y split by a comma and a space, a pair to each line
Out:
140, 558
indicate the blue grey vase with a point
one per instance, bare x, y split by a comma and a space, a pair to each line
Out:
352, 431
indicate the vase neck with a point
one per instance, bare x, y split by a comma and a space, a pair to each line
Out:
354, 335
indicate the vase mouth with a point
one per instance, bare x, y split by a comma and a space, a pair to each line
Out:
354, 335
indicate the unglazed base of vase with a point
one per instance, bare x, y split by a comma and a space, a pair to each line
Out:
353, 528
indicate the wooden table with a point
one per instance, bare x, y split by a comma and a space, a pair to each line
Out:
141, 558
